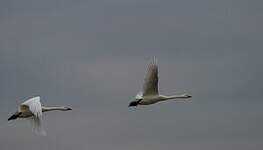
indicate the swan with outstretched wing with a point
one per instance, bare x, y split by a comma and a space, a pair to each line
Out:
149, 94
32, 109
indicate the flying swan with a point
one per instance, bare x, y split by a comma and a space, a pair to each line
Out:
149, 94
32, 109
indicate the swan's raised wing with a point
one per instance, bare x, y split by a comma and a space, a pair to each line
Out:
150, 86
33, 105
139, 95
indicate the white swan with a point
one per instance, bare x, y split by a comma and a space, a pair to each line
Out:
32, 109
149, 94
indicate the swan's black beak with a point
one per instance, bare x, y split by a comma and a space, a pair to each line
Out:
188, 96
134, 103
14, 116
67, 108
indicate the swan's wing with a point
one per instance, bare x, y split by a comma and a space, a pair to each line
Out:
139, 95
34, 106
37, 126
150, 86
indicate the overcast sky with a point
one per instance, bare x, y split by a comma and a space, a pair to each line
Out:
92, 55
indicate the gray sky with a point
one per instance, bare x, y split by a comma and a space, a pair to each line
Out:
92, 55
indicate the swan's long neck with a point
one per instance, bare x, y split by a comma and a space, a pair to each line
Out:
174, 97
53, 108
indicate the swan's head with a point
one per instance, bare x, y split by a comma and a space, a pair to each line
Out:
66, 108
187, 96
15, 115
135, 102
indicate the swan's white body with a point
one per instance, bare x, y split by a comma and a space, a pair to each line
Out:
32, 109
150, 94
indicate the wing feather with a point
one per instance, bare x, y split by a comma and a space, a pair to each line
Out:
37, 126
150, 86
34, 106
139, 95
